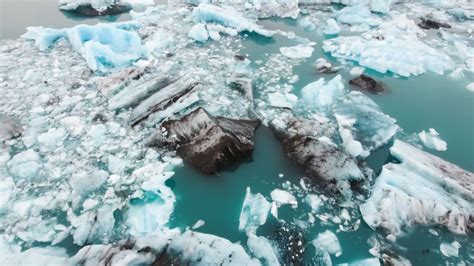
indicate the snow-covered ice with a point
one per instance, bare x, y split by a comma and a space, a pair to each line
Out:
327, 242
432, 140
298, 51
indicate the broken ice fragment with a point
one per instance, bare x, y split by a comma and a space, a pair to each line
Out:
450, 249
263, 249
93, 8
283, 197
199, 33
432, 140
254, 213
328, 242
421, 190
297, 51
25, 164
320, 94
332, 27
9, 128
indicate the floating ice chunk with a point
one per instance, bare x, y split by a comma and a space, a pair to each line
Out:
313, 201
84, 183
423, 189
354, 15
262, 248
52, 139
103, 46
204, 249
450, 249
98, 134
198, 224
199, 33
25, 165
254, 213
35, 256
214, 35
73, 124
432, 140
6, 188
327, 242
320, 94
470, 86
149, 215
362, 126
357, 71
93, 225
382, 6
227, 16
117, 165
352, 146
297, 51
90, 204
160, 42
363, 262
306, 24
332, 27
282, 100
283, 197
400, 56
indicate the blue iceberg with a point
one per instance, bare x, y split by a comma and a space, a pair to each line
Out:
103, 46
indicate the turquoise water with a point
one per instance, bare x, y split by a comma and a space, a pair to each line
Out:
418, 103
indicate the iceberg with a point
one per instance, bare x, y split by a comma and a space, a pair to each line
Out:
283, 197
9, 129
103, 46
382, 6
199, 33
432, 140
321, 94
25, 165
355, 15
254, 213
263, 249
393, 47
298, 51
362, 126
327, 242
332, 27
421, 190
228, 17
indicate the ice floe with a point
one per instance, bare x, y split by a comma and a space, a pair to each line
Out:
103, 46
298, 51
424, 189
327, 242
432, 140
254, 213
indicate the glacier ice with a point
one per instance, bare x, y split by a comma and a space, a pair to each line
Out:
25, 164
332, 27
423, 189
199, 33
254, 213
394, 47
10, 128
432, 140
355, 15
263, 249
227, 16
321, 94
298, 51
450, 249
327, 242
103, 46
283, 197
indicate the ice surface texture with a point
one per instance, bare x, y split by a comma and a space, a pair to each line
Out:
422, 189
103, 46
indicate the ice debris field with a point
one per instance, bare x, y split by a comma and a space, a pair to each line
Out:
240, 133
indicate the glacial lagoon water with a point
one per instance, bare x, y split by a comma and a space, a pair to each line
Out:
417, 103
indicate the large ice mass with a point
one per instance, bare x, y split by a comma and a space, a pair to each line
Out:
424, 190
103, 46
91, 162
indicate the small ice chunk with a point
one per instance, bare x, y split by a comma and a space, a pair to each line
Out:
470, 86
327, 242
25, 164
313, 201
254, 213
262, 248
432, 140
297, 51
199, 33
282, 100
83, 182
283, 197
357, 71
198, 224
450, 249
332, 27
117, 165
320, 94
6, 188
52, 139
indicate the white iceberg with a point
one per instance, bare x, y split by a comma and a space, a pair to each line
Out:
283, 197
432, 140
327, 242
332, 27
199, 33
25, 165
320, 94
263, 249
297, 51
422, 190
254, 212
